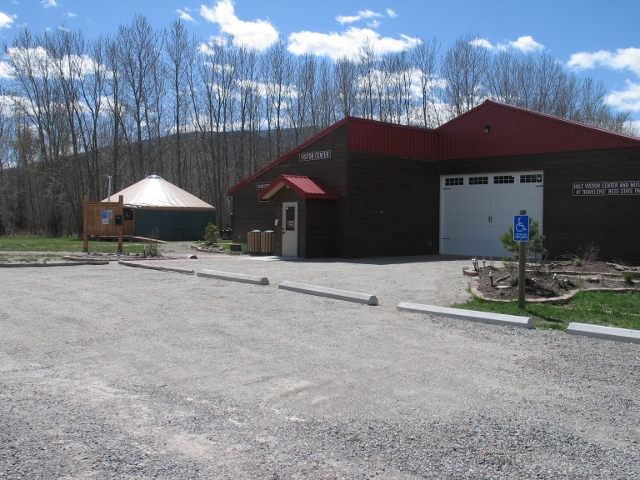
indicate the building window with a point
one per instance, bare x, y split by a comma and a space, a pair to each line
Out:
531, 178
503, 179
478, 180
448, 182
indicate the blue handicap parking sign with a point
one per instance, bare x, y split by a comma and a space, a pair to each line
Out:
521, 228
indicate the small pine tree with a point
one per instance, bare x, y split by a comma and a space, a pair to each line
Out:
211, 234
534, 245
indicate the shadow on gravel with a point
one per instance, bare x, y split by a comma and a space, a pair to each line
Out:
377, 261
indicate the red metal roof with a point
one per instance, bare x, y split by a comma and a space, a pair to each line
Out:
390, 139
309, 188
518, 131
511, 131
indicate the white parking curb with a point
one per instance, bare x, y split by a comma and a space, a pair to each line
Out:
156, 267
234, 277
52, 264
364, 298
474, 316
599, 331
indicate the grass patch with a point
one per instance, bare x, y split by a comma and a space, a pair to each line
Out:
225, 244
28, 260
597, 308
64, 244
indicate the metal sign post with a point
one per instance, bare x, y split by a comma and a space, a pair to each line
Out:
521, 235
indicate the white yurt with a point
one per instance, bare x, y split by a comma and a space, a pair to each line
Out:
156, 208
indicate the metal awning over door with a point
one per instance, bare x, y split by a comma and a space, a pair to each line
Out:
306, 187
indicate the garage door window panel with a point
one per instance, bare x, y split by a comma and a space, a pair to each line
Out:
478, 180
502, 179
531, 178
452, 182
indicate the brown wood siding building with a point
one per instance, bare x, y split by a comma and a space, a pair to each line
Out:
389, 192
251, 214
372, 215
393, 206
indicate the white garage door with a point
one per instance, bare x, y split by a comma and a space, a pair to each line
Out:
475, 210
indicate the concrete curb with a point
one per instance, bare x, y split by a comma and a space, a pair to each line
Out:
609, 333
51, 264
154, 267
330, 293
234, 277
483, 317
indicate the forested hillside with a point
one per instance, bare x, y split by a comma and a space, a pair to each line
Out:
204, 115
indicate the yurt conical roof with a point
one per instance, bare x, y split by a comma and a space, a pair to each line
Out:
155, 192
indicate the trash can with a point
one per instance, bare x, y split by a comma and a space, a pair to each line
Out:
253, 241
267, 241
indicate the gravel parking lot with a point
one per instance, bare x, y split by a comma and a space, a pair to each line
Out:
112, 371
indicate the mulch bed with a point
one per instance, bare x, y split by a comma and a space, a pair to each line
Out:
555, 282
203, 247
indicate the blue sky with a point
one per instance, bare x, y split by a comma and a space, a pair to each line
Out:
591, 37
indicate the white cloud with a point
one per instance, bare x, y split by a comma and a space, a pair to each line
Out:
482, 42
49, 3
525, 44
369, 14
208, 47
259, 34
42, 63
185, 16
628, 99
70, 14
5, 70
584, 60
6, 20
621, 59
5, 103
347, 19
363, 14
391, 13
338, 45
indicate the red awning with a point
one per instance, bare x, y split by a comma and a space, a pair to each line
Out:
306, 187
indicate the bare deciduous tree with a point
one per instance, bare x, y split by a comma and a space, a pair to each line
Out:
465, 69
139, 49
206, 115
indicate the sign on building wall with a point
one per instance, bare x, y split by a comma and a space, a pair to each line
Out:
592, 189
310, 156
260, 186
